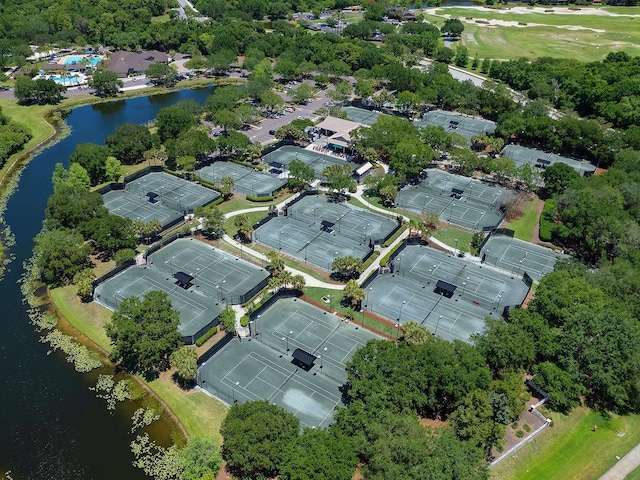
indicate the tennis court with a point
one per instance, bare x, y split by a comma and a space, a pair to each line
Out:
457, 123
128, 205
361, 115
262, 367
458, 200
317, 230
541, 159
449, 295
216, 273
246, 180
518, 256
318, 161
172, 192
198, 313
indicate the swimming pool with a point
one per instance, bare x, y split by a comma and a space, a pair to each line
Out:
91, 61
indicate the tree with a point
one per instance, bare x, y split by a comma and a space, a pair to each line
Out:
271, 101
200, 459
71, 206
300, 174
124, 255
83, 280
298, 282
162, 74
339, 177
506, 346
453, 27
110, 233
414, 334
227, 184
558, 177
129, 143
444, 54
185, 361
228, 319
37, 91
93, 159
173, 120
227, 119
347, 266
319, 454
256, 436
243, 224
60, 254
352, 293
144, 333
276, 263
302, 94
213, 220
462, 56
105, 83
112, 169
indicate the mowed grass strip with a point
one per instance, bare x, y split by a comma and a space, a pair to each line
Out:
199, 413
635, 475
570, 449
526, 224
88, 318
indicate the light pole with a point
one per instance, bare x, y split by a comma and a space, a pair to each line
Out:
280, 240
365, 228
321, 355
397, 331
314, 216
464, 285
366, 301
400, 263
431, 272
487, 257
456, 249
233, 391
404, 302
451, 210
288, 334
362, 312
255, 324
437, 324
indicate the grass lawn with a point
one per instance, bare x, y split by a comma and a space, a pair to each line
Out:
199, 413
545, 34
570, 449
525, 225
88, 318
449, 234
635, 475
232, 230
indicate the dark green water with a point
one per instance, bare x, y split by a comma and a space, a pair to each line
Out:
52, 426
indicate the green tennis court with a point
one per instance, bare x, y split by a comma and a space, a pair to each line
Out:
457, 123
216, 273
458, 200
518, 256
198, 312
361, 115
263, 367
318, 161
317, 230
246, 180
172, 192
453, 310
128, 205
541, 159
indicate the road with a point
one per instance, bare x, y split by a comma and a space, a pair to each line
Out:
187, 4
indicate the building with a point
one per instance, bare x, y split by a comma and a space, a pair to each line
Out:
134, 63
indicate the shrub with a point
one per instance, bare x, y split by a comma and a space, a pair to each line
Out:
519, 434
208, 334
514, 425
124, 255
526, 427
387, 257
251, 198
244, 320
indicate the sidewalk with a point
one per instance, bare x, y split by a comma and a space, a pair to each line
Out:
625, 465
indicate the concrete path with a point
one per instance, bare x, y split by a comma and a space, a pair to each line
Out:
625, 466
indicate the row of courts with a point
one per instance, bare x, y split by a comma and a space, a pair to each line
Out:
295, 358
449, 295
519, 257
198, 313
216, 273
283, 156
199, 280
158, 196
457, 123
541, 159
246, 180
458, 200
317, 230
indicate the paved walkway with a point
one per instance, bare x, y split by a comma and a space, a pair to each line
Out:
625, 466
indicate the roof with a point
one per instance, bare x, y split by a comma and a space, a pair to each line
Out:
183, 278
338, 125
364, 169
457, 191
303, 357
152, 195
327, 224
124, 62
445, 287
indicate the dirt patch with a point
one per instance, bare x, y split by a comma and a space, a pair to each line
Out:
432, 422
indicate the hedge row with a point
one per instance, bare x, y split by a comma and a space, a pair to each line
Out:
393, 238
369, 261
210, 333
267, 198
387, 257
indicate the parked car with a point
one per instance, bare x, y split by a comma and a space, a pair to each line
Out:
272, 132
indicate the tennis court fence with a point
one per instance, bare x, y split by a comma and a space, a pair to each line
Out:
112, 273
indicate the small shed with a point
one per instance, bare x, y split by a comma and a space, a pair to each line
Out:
152, 197
183, 279
456, 193
445, 289
327, 226
303, 359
